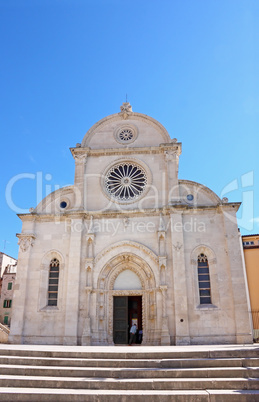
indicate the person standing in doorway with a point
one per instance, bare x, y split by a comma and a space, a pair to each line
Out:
133, 331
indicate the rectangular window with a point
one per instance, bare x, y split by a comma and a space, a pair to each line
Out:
7, 303
9, 286
6, 320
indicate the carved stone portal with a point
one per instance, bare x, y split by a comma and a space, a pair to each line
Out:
148, 292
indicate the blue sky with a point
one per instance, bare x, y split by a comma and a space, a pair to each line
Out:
65, 64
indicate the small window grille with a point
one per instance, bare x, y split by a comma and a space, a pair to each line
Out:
204, 279
53, 282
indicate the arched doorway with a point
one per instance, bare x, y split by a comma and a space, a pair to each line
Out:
127, 293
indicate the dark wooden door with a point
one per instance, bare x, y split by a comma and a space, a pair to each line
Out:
120, 319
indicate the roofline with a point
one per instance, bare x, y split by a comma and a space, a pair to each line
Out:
1, 252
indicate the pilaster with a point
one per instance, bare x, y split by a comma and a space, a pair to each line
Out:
73, 279
182, 334
26, 241
162, 260
172, 159
89, 266
80, 156
232, 242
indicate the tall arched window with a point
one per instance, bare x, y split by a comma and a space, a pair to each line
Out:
53, 282
204, 279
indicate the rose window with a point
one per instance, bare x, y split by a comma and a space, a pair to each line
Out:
126, 135
125, 181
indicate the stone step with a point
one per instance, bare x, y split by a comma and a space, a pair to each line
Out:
135, 352
128, 384
129, 374
81, 395
130, 363
101, 372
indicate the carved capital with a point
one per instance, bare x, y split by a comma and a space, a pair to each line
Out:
80, 158
26, 240
171, 156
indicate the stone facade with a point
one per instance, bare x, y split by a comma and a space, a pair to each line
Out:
129, 227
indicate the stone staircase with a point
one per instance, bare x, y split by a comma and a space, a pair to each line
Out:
129, 374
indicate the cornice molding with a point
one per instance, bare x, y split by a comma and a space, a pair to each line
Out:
175, 208
172, 148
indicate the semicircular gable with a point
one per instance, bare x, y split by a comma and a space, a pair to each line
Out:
58, 201
149, 132
196, 194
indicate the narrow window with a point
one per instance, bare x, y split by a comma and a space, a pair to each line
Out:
53, 282
6, 320
204, 279
9, 286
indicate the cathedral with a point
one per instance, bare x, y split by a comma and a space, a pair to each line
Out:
130, 243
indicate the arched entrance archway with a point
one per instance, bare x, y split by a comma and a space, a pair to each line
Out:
110, 285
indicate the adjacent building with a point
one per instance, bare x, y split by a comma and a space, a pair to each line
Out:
251, 255
6, 294
130, 242
4, 261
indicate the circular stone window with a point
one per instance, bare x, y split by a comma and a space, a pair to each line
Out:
125, 181
189, 197
63, 204
125, 134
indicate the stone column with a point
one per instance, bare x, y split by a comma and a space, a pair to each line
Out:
182, 335
26, 241
242, 319
73, 282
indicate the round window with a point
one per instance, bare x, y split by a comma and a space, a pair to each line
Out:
125, 181
63, 204
125, 134
189, 197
